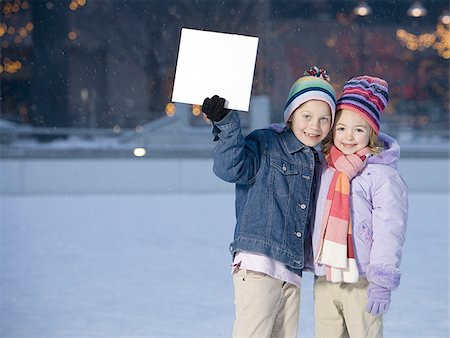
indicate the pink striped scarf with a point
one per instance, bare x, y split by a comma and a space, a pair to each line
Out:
336, 247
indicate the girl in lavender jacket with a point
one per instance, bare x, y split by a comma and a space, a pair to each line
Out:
361, 215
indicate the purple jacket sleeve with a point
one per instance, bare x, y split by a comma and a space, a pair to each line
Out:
389, 219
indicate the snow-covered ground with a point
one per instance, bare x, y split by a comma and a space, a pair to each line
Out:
157, 265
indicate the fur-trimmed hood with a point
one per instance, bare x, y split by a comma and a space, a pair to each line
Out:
390, 155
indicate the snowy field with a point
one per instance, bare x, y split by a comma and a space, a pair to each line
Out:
157, 265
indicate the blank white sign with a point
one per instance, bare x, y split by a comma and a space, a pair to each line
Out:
212, 63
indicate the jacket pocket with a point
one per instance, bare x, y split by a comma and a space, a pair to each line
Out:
284, 176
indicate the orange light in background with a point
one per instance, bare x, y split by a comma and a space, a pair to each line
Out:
331, 42
170, 109
15, 8
73, 6
23, 32
414, 42
7, 8
29, 26
72, 36
76, 4
196, 110
11, 66
442, 44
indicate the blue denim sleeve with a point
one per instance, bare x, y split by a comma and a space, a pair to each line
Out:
236, 159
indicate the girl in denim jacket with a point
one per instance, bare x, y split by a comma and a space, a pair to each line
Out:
275, 175
361, 215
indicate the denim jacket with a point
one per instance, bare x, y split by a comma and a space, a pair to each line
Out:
274, 175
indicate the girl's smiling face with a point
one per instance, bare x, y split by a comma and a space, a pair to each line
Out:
311, 122
351, 132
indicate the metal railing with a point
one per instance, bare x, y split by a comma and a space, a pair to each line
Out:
164, 138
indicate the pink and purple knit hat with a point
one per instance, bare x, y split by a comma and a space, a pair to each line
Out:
367, 96
313, 85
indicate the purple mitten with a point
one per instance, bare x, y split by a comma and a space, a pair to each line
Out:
379, 299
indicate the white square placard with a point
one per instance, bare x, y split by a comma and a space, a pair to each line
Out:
212, 63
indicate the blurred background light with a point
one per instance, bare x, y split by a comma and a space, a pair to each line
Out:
417, 10
362, 9
139, 152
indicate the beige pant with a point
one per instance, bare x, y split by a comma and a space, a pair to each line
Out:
265, 306
339, 310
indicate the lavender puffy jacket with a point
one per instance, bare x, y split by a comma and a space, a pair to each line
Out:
379, 203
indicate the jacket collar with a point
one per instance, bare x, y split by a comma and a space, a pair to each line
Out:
291, 142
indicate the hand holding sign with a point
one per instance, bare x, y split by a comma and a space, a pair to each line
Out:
204, 69
214, 108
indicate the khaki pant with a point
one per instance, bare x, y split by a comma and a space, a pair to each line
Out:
339, 310
265, 306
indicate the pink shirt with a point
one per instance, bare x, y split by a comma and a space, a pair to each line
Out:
261, 263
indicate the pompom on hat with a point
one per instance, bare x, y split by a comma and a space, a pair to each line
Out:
313, 85
367, 96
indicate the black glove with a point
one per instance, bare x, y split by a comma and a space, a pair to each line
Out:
214, 108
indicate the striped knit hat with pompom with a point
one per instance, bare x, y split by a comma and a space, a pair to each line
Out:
313, 85
367, 96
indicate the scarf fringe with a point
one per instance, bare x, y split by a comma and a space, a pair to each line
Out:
348, 275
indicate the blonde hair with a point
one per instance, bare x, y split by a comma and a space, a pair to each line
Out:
374, 145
